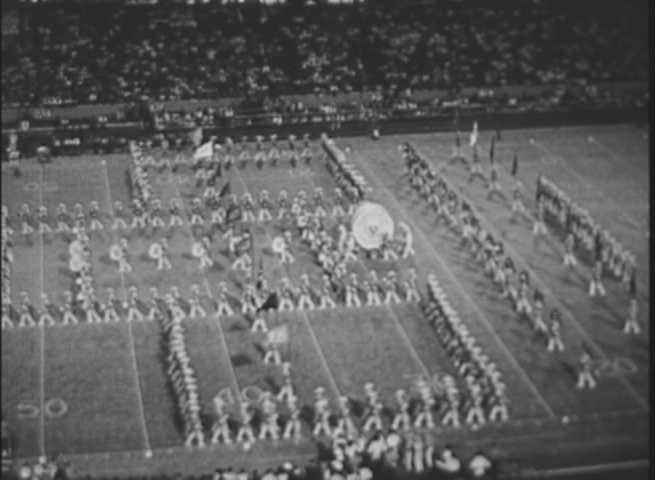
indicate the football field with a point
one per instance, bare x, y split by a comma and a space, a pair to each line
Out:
98, 393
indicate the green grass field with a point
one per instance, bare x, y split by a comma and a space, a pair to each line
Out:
92, 390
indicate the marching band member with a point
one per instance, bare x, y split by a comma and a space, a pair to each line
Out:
283, 205
321, 414
163, 261
371, 294
223, 306
585, 376
156, 220
389, 287
203, 255
325, 295
221, 429
554, 337
286, 258
345, 424
269, 425
424, 418
352, 294
133, 311
196, 310
6, 311
338, 209
373, 417
245, 434
517, 202
475, 414
293, 426
272, 354
24, 218
45, 319
94, 214
522, 304
259, 325
305, 296
319, 210
119, 216
26, 318
63, 219
286, 391
499, 403
153, 305
631, 323
174, 209
68, 317
109, 313
537, 318
286, 296
411, 290
401, 420
539, 227
196, 213
249, 300
451, 417
596, 284
123, 264
265, 206
44, 227
569, 247
248, 208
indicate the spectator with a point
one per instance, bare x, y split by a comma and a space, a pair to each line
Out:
449, 465
479, 466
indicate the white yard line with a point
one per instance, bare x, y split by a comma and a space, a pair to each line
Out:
544, 288
41, 328
463, 291
135, 368
587, 469
317, 345
589, 187
221, 333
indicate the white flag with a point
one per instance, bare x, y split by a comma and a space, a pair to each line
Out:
204, 151
278, 335
196, 136
474, 134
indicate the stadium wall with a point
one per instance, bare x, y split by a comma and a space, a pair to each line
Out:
112, 139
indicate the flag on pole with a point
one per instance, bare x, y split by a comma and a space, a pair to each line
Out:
260, 273
196, 136
278, 335
474, 134
271, 303
233, 213
206, 150
225, 190
215, 174
491, 148
515, 165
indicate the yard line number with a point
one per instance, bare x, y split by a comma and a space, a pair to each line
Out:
250, 393
53, 408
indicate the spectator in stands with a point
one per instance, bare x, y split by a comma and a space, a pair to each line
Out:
448, 464
480, 466
174, 52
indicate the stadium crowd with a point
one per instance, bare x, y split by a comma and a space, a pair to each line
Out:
115, 53
390, 457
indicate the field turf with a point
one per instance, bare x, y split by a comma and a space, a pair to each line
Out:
98, 393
